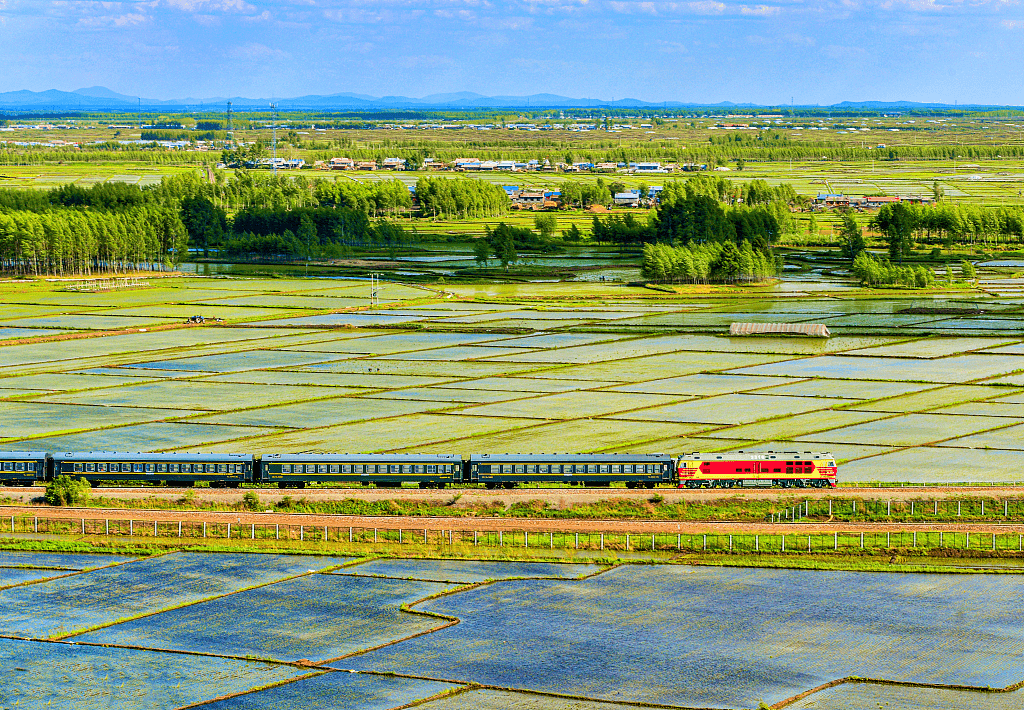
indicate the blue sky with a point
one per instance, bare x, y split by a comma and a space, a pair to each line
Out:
810, 51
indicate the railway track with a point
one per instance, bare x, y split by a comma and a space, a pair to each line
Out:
562, 496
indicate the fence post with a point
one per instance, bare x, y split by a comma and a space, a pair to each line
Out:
424, 536
35, 525
302, 533
983, 506
915, 539
501, 541
83, 525
936, 502
577, 541
253, 531
399, 536
862, 541
602, 541
475, 532
808, 543
204, 528
888, 508
730, 542
705, 543
179, 528
888, 545
783, 542
277, 531
627, 542
836, 546
653, 535
967, 546
526, 538
1006, 509
830, 507
106, 526
325, 533
131, 528
958, 508
375, 536
993, 541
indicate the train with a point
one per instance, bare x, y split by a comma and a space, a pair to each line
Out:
781, 469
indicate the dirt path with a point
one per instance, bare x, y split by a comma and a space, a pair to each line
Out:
494, 524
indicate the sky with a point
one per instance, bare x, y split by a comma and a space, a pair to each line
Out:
769, 52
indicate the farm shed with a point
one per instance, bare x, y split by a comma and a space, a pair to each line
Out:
813, 330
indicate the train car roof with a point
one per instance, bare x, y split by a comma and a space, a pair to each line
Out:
140, 456
758, 456
358, 458
568, 458
23, 455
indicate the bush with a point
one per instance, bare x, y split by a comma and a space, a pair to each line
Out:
64, 490
251, 501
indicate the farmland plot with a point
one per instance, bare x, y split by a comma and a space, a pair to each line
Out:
105, 595
417, 432
59, 560
37, 675
156, 436
316, 617
11, 577
467, 571
857, 696
503, 700
787, 631
330, 691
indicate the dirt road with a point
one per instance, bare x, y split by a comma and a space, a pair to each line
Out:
494, 524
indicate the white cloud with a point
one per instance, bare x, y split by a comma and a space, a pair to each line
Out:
210, 5
707, 7
256, 52
759, 10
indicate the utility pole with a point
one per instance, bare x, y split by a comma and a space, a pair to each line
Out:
231, 136
375, 289
273, 127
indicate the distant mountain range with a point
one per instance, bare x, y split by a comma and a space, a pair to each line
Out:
99, 98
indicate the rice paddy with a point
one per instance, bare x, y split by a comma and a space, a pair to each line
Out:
539, 635
309, 365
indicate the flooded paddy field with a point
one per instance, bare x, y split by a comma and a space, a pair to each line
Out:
316, 632
909, 388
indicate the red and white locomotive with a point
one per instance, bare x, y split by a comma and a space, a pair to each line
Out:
782, 469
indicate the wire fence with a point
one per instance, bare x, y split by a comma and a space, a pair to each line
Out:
795, 542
